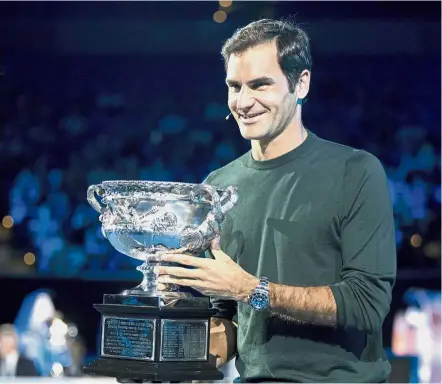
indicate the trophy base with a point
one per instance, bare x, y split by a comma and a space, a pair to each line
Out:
147, 338
133, 371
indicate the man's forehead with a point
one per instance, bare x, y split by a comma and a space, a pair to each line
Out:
258, 61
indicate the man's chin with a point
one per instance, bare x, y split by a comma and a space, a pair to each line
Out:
252, 132
251, 137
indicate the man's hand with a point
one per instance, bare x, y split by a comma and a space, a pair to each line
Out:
218, 277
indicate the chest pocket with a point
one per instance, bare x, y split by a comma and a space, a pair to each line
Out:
304, 247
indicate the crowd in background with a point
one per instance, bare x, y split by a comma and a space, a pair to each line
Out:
69, 123
39, 342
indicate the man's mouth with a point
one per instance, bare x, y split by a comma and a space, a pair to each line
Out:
250, 118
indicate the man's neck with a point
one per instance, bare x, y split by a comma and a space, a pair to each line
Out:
291, 138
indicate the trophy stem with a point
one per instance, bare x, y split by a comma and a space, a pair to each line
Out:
148, 286
149, 283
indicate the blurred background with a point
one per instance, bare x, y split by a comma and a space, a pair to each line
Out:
93, 91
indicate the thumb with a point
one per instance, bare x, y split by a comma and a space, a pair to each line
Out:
214, 245
215, 248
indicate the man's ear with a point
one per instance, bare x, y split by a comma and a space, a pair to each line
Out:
303, 85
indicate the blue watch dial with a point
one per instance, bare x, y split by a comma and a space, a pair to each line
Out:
259, 301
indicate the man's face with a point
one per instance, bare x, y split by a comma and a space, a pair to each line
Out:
8, 344
259, 96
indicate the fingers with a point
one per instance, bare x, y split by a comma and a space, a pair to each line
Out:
178, 272
167, 279
191, 261
161, 286
178, 251
198, 285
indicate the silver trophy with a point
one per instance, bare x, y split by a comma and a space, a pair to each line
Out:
144, 218
149, 334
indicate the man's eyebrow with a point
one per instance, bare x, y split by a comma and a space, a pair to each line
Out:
231, 83
262, 79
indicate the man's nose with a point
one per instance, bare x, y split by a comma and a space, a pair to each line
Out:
245, 100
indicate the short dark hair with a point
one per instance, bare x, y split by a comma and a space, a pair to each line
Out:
292, 43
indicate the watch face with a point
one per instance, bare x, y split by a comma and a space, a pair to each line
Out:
259, 301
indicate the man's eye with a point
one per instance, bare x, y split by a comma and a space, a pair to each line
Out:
234, 88
260, 85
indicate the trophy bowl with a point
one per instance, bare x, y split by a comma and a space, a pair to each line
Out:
144, 218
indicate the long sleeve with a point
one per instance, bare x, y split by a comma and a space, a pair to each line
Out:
363, 295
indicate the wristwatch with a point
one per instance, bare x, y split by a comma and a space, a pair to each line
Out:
259, 299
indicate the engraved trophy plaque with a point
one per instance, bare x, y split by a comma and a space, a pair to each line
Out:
151, 335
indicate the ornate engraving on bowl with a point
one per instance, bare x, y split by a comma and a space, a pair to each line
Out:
120, 211
191, 238
166, 222
155, 220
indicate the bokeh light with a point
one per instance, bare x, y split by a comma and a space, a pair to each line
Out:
225, 4
8, 222
432, 250
220, 16
416, 240
29, 258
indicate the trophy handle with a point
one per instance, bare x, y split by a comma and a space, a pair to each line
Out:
220, 204
229, 199
198, 239
91, 197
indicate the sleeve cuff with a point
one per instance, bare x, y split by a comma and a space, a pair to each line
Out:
340, 305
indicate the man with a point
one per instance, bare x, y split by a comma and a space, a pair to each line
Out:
306, 260
12, 364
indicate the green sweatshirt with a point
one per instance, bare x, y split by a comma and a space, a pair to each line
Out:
320, 215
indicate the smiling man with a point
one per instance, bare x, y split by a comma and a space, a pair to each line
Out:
306, 260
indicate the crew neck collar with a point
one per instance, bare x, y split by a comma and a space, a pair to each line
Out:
286, 157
